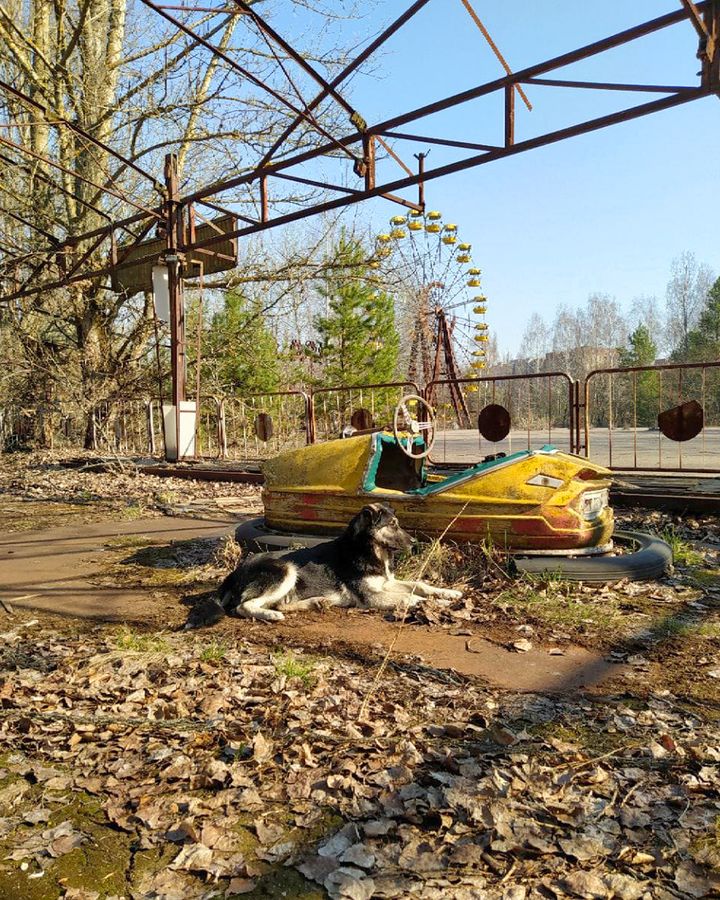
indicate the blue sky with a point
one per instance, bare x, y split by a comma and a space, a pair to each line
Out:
604, 212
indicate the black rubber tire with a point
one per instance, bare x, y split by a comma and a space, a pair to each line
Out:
651, 560
254, 536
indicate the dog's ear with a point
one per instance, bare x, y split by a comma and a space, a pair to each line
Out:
362, 521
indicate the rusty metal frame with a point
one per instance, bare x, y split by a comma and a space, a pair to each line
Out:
303, 395
625, 370
353, 387
454, 384
175, 210
707, 13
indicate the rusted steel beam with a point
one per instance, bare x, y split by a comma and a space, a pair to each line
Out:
509, 116
401, 201
709, 48
490, 87
421, 180
207, 473
46, 234
311, 182
125, 250
394, 155
608, 43
420, 177
297, 57
612, 86
696, 19
227, 212
369, 161
347, 71
63, 190
86, 255
263, 199
22, 290
54, 119
221, 209
223, 10
495, 49
708, 7
625, 115
441, 142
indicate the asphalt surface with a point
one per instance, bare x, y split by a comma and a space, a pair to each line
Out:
619, 448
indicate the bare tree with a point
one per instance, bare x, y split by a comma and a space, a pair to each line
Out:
535, 343
687, 289
106, 77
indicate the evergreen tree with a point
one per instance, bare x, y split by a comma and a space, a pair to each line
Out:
704, 346
641, 403
241, 352
359, 339
704, 341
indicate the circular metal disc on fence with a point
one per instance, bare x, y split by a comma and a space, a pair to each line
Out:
264, 426
494, 422
362, 419
683, 422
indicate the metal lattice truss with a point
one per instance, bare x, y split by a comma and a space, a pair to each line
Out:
374, 154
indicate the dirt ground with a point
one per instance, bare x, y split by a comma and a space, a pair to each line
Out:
531, 740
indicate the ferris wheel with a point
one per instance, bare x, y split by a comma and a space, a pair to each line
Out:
441, 309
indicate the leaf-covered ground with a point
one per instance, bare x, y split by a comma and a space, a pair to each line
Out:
177, 766
234, 760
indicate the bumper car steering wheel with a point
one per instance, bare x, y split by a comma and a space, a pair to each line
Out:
414, 425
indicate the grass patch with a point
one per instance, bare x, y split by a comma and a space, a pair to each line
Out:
706, 850
99, 863
677, 627
587, 739
139, 642
127, 542
213, 652
450, 563
556, 605
707, 577
291, 666
682, 551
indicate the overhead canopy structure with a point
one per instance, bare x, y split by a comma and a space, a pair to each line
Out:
198, 231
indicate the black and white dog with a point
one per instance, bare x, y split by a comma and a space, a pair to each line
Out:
354, 569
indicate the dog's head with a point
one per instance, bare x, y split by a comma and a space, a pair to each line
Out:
378, 524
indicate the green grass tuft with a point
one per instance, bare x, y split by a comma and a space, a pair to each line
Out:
127, 639
291, 666
213, 652
683, 552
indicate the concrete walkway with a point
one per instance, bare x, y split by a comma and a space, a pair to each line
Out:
60, 571
53, 570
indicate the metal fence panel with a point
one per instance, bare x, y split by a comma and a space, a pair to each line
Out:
373, 406
629, 416
540, 410
261, 426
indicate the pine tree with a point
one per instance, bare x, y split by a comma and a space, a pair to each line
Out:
643, 387
359, 339
704, 341
241, 352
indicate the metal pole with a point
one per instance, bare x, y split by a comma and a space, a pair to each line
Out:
173, 226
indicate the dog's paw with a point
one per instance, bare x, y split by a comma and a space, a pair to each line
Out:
447, 593
269, 615
409, 602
